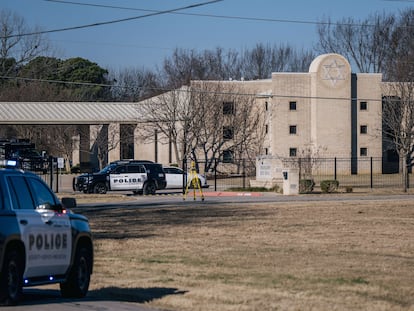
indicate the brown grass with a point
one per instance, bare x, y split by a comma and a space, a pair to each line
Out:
354, 255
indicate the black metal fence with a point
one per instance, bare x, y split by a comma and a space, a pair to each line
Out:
47, 169
367, 172
349, 172
360, 173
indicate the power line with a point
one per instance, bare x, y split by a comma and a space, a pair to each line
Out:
257, 19
111, 22
188, 90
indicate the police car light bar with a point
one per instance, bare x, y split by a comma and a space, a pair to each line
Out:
8, 163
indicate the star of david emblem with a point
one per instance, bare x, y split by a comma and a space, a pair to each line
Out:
334, 72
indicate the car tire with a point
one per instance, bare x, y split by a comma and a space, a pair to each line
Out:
77, 284
100, 188
11, 279
149, 188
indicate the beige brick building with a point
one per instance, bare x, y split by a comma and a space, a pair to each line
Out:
328, 112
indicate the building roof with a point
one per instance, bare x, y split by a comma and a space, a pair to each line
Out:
68, 112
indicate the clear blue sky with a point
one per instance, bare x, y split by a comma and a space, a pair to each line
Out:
145, 42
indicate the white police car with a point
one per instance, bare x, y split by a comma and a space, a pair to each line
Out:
41, 240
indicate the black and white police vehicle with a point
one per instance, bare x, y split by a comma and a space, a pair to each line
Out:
140, 177
41, 240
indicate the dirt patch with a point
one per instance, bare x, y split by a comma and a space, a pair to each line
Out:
277, 256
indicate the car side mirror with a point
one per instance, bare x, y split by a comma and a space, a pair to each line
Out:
68, 203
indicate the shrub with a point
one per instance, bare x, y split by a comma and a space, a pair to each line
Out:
306, 185
329, 186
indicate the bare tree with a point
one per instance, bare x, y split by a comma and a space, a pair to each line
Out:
262, 60
133, 84
225, 122
398, 123
204, 121
56, 140
16, 48
365, 43
398, 103
169, 115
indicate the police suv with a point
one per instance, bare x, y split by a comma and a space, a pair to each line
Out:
41, 240
140, 177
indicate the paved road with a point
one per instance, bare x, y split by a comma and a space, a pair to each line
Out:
211, 197
35, 299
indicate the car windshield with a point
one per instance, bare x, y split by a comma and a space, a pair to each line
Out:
32, 153
107, 169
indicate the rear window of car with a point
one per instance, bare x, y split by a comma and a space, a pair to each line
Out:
157, 168
20, 193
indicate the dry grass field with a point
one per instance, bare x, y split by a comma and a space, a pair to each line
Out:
343, 255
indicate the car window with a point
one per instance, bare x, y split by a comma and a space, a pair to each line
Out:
157, 168
4, 202
20, 193
1, 198
136, 169
120, 170
177, 171
42, 193
172, 170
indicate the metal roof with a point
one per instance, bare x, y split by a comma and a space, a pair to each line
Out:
68, 112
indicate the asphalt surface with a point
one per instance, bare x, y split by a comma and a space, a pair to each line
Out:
35, 299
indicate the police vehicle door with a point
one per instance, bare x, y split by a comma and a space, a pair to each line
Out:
128, 177
46, 233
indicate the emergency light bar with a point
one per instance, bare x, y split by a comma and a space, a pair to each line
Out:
8, 163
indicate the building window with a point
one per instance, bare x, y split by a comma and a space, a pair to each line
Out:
266, 128
363, 129
292, 105
363, 152
292, 129
363, 106
228, 108
292, 152
266, 151
228, 156
266, 105
228, 132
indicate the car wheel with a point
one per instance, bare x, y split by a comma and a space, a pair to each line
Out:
100, 188
149, 188
11, 279
77, 284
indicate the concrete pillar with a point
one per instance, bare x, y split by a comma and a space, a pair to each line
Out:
114, 142
84, 148
76, 149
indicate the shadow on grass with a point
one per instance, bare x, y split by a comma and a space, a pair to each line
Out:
38, 296
140, 295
